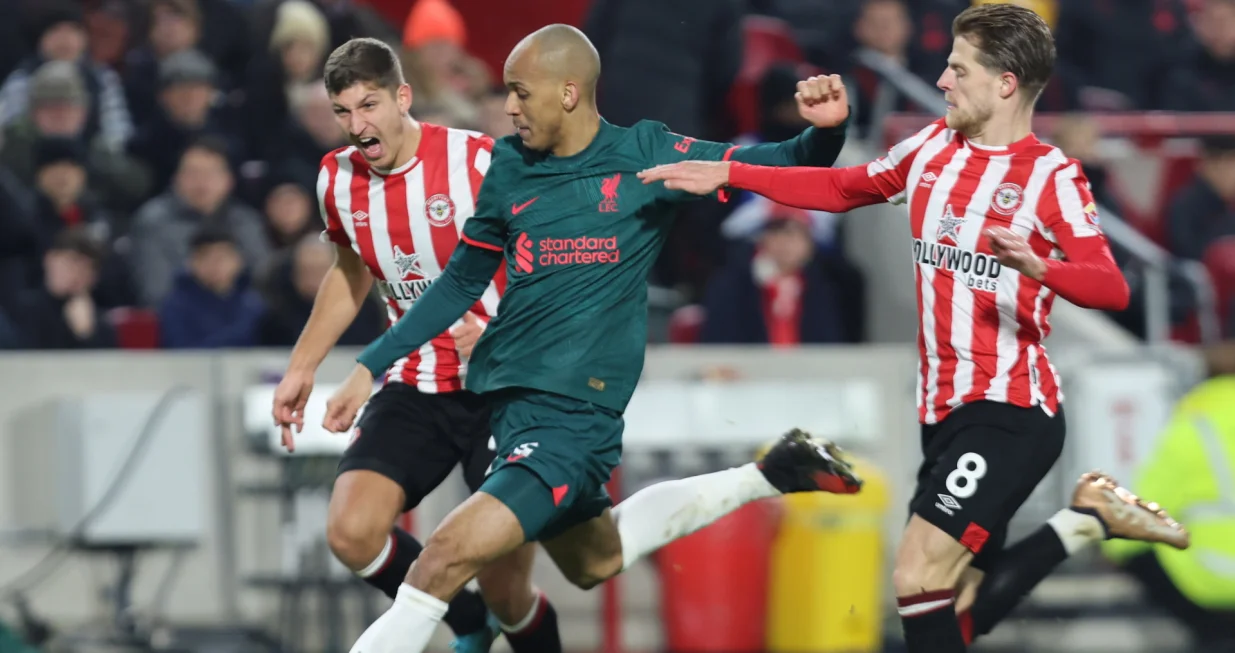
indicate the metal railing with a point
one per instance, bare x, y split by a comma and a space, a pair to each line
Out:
1158, 263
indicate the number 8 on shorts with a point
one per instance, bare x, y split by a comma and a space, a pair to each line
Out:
963, 481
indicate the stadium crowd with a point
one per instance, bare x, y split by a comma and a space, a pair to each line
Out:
159, 158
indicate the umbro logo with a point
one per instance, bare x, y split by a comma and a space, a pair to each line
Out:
360, 217
947, 503
928, 180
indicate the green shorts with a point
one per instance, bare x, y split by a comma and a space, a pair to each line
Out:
569, 446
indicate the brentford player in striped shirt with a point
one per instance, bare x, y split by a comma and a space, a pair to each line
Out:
1001, 224
394, 203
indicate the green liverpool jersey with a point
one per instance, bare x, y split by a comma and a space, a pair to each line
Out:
578, 236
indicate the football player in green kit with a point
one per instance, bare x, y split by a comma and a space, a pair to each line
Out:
578, 233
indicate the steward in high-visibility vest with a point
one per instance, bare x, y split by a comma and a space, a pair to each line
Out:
1191, 474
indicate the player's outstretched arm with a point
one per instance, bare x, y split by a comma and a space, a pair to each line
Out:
824, 189
824, 103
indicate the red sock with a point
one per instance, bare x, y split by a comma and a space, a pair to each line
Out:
966, 621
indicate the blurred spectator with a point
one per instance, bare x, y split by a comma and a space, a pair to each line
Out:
1204, 78
61, 36
62, 314
1188, 474
200, 196
13, 41
291, 212
312, 132
298, 47
445, 79
58, 110
668, 61
17, 228
347, 19
492, 114
785, 292
1204, 210
175, 26
109, 31
212, 304
293, 288
1121, 51
189, 108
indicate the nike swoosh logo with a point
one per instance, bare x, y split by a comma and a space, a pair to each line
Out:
517, 208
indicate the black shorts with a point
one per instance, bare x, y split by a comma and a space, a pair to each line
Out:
415, 439
980, 465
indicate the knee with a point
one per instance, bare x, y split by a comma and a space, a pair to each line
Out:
355, 539
443, 562
596, 569
928, 562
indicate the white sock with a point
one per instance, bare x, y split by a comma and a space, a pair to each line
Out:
1077, 530
537, 607
662, 513
406, 627
379, 563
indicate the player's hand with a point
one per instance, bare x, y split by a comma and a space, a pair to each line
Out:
290, 398
823, 100
467, 334
1013, 251
698, 177
343, 405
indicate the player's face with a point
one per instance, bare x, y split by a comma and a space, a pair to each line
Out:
372, 118
969, 87
534, 103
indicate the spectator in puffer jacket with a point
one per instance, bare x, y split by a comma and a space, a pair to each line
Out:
213, 304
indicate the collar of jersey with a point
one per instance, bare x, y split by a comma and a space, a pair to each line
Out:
993, 150
602, 135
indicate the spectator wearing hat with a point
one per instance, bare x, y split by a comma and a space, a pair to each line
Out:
200, 196
298, 47
785, 290
190, 107
347, 19
58, 109
60, 35
212, 304
62, 313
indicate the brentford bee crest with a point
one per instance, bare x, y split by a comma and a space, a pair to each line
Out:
440, 210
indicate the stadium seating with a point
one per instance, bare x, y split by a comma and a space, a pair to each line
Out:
135, 328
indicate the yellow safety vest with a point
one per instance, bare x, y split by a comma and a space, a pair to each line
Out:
1191, 473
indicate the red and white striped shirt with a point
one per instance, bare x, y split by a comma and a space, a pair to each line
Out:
980, 325
404, 224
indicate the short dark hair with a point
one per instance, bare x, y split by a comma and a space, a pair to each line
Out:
78, 240
210, 235
363, 61
211, 144
1010, 39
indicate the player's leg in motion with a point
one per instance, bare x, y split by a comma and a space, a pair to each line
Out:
980, 464
515, 500
525, 615
400, 454
517, 609
1100, 509
361, 532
